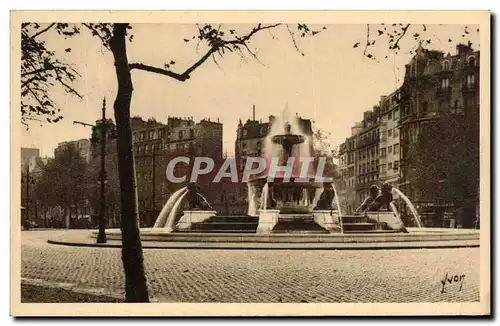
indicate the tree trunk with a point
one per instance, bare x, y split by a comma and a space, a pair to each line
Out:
135, 280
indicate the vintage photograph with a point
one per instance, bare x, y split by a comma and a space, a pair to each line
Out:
271, 157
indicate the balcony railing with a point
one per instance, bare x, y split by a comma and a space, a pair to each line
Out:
470, 87
367, 142
446, 91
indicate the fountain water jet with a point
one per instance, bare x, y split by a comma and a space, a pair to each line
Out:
336, 200
165, 212
264, 196
169, 226
252, 209
410, 205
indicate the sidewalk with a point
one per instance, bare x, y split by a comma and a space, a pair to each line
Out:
43, 294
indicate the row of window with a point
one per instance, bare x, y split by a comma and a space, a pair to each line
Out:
469, 81
389, 166
368, 178
372, 152
150, 135
257, 146
368, 167
471, 62
263, 132
165, 147
394, 132
446, 65
350, 183
368, 153
348, 173
392, 149
369, 136
158, 134
393, 115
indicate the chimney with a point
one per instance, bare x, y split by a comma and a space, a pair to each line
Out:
366, 115
464, 48
253, 113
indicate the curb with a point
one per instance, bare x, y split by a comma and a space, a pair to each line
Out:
284, 246
76, 288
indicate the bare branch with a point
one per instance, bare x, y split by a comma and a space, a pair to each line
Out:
367, 39
36, 71
216, 44
293, 40
181, 77
404, 29
198, 63
141, 66
215, 61
98, 30
43, 31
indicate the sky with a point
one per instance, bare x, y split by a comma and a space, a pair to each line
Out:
332, 84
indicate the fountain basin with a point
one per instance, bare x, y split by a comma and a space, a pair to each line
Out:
389, 218
327, 219
191, 217
268, 218
416, 238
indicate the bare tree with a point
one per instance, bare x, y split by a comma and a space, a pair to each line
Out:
42, 70
391, 35
49, 72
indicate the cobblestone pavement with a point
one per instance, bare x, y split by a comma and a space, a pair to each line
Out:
265, 275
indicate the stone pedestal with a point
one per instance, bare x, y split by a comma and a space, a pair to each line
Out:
391, 220
191, 217
268, 218
327, 219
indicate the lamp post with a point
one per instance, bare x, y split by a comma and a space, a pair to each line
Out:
101, 236
27, 204
153, 195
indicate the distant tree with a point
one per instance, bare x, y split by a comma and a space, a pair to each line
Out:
63, 180
446, 154
322, 143
323, 147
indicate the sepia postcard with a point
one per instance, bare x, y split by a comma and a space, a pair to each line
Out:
250, 163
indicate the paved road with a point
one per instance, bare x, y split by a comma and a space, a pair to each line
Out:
264, 275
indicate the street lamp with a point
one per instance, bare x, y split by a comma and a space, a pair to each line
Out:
102, 180
29, 180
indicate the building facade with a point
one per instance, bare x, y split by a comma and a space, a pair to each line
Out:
435, 84
348, 164
367, 152
389, 145
82, 146
156, 144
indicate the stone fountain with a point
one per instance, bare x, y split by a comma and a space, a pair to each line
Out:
290, 209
